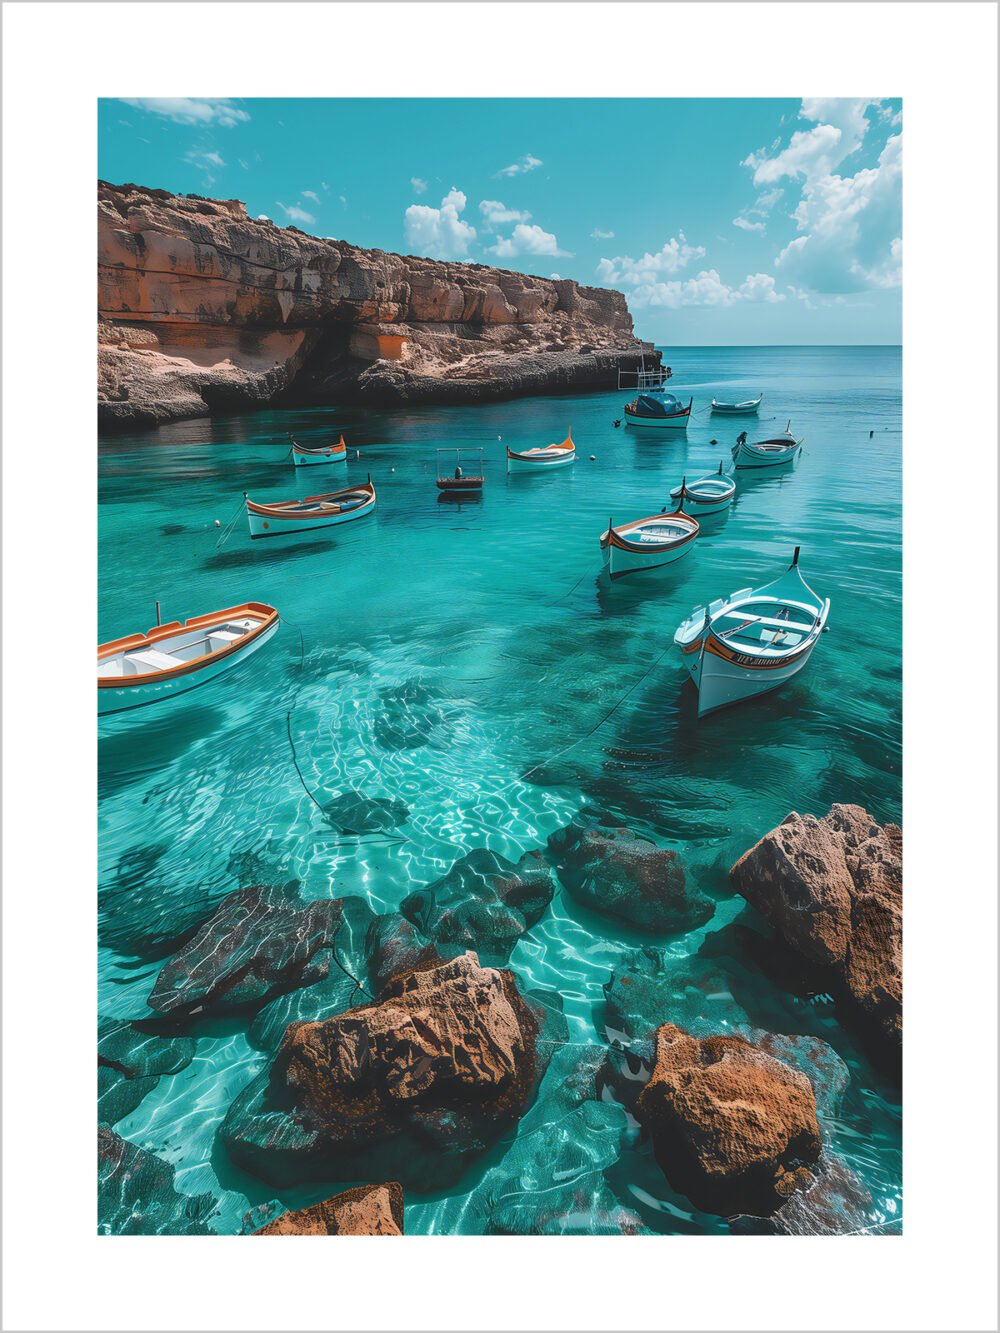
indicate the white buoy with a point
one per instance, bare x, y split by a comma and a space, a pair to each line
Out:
392, 469
218, 524
593, 458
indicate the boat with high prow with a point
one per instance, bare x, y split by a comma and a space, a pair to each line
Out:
171, 659
745, 409
773, 452
315, 511
752, 641
542, 459
328, 453
648, 543
707, 495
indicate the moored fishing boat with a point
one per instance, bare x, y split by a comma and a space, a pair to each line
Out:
752, 641
455, 479
315, 511
648, 543
707, 495
745, 409
658, 409
171, 659
773, 452
538, 460
330, 453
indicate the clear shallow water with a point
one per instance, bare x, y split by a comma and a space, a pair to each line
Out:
460, 657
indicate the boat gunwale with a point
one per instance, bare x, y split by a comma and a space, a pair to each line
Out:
339, 448
278, 508
613, 537
268, 618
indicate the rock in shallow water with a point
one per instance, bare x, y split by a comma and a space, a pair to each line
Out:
369, 1210
732, 1127
131, 1057
419, 1081
484, 902
136, 1195
833, 888
612, 870
354, 812
259, 943
395, 945
833, 1203
650, 986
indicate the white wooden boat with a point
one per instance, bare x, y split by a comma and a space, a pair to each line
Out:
752, 641
774, 452
329, 453
539, 460
171, 659
658, 410
648, 543
707, 495
745, 409
315, 511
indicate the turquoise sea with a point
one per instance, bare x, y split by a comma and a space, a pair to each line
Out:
472, 661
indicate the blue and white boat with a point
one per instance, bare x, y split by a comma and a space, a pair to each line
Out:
658, 409
707, 495
753, 640
745, 409
774, 452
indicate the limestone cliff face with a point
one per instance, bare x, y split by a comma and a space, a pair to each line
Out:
202, 309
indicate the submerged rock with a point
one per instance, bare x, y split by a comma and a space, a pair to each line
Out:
395, 945
345, 984
484, 902
615, 871
369, 1210
131, 1057
424, 1078
732, 1127
147, 911
833, 888
354, 812
649, 987
833, 1203
136, 1195
259, 943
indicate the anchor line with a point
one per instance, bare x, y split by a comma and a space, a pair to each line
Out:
228, 531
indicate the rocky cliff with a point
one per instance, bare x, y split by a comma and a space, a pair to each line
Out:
203, 308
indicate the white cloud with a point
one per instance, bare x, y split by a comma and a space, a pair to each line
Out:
526, 163
310, 194
744, 225
192, 110
675, 254
755, 217
556, 277
841, 124
343, 199
419, 186
200, 158
706, 289
295, 214
496, 214
527, 239
262, 217
439, 233
598, 235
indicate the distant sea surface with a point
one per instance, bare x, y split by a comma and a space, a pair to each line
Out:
497, 609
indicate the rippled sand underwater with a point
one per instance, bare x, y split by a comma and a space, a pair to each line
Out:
470, 661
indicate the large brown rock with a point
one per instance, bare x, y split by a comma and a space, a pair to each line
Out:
833, 888
732, 1127
203, 308
369, 1210
411, 1085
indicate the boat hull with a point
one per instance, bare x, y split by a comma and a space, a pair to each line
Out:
621, 562
323, 459
521, 464
744, 456
282, 525
726, 680
722, 410
678, 423
118, 699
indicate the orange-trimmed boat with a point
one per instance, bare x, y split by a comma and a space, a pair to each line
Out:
171, 659
539, 460
648, 543
330, 453
315, 511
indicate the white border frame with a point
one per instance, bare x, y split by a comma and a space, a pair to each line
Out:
58, 59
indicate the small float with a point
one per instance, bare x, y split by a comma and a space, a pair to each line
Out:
316, 511
539, 460
767, 453
752, 641
459, 471
658, 409
648, 543
172, 659
745, 409
707, 495
330, 453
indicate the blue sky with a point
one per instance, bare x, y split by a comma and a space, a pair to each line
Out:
725, 221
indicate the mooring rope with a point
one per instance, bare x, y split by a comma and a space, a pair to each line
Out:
228, 532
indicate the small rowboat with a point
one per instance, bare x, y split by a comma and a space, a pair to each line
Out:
658, 409
331, 453
172, 659
707, 495
316, 511
538, 460
767, 453
648, 543
749, 408
752, 641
